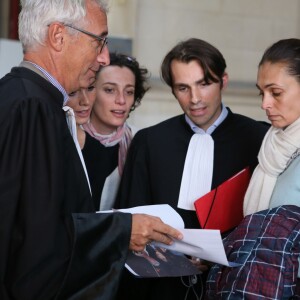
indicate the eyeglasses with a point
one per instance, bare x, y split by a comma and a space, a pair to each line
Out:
101, 40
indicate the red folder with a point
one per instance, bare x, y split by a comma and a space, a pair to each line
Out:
222, 208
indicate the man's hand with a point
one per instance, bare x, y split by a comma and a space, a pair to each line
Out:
146, 229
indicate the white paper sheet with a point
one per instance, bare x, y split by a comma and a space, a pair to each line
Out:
203, 243
164, 211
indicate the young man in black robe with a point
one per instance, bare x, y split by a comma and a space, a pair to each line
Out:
52, 243
183, 158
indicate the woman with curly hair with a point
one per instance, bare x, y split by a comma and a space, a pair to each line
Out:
103, 133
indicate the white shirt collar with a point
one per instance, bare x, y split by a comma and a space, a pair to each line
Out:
211, 129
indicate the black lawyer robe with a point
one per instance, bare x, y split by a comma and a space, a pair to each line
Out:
52, 244
100, 162
153, 172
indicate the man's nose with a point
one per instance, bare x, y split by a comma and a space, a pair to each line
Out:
195, 96
103, 57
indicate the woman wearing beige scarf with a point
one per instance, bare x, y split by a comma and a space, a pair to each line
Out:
278, 81
268, 268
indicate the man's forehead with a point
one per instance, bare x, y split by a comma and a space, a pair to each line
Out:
186, 65
97, 19
184, 71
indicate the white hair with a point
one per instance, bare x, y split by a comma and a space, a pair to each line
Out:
36, 15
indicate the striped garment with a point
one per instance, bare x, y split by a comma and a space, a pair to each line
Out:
266, 244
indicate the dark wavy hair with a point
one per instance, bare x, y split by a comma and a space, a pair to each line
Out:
141, 75
208, 57
285, 51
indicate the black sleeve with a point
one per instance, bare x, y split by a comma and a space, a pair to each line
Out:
99, 255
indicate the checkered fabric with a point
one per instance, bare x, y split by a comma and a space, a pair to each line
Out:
266, 244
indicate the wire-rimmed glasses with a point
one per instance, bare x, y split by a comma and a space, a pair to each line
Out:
101, 40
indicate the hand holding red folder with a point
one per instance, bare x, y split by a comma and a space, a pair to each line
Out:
222, 208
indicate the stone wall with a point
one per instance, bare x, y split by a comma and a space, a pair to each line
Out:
240, 29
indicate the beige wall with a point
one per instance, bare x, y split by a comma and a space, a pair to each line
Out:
122, 18
241, 29
4, 15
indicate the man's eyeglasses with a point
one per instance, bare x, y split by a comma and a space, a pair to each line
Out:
101, 40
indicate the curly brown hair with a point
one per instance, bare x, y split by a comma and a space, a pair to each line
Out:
141, 75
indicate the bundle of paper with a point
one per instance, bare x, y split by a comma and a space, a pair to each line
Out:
159, 259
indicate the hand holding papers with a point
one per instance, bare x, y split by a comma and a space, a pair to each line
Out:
205, 244
156, 260
164, 211
146, 228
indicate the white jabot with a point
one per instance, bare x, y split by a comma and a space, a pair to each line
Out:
276, 150
197, 172
71, 121
198, 167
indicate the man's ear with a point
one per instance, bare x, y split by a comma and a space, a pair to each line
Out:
225, 80
56, 35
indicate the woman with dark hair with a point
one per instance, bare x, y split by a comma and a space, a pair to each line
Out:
278, 81
105, 136
120, 88
266, 244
